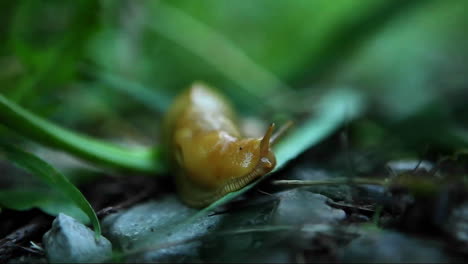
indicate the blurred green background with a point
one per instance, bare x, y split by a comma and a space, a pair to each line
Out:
110, 68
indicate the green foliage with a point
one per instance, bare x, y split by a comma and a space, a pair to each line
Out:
49, 175
49, 200
36, 128
52, 59
394, 72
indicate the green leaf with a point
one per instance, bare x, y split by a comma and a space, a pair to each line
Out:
155, 101
49, 201
52, 177
35, 128
334, 109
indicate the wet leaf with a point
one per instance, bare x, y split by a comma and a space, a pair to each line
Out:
53, 178
34, 127
49, 201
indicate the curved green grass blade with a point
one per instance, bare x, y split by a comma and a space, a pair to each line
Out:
155, 101
334, 110
52, 177
38, 129
49, 201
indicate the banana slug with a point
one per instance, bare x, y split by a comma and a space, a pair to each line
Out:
208, 155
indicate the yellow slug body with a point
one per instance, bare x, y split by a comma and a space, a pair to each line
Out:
207, 151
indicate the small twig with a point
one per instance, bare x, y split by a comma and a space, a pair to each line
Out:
31, 250
349, 207
12, 241
265, 193
125, 204
281, 132
330, 182
239, 205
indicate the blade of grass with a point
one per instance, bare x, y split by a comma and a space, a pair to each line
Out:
48, 200
333, 110
155, 101
52, 177
42, 131
337, 181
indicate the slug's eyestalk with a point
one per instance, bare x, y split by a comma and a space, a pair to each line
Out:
267, 158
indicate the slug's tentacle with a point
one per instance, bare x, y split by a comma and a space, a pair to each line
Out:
265, 143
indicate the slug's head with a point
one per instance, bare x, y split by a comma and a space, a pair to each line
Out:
230, 164
254, 159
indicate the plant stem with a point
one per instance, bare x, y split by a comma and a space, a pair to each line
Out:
330, 182
35, 128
